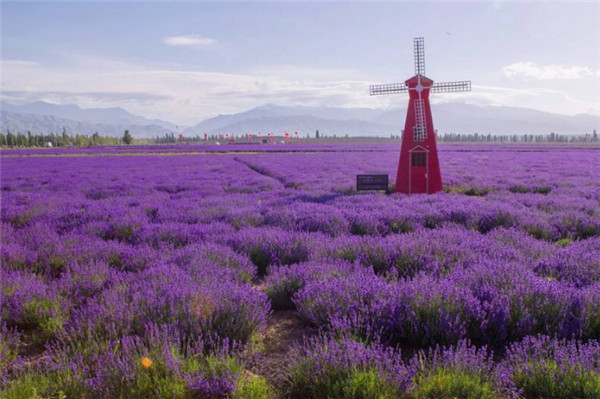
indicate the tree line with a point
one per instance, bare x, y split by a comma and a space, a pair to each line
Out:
82, 140
524, 138
61, 140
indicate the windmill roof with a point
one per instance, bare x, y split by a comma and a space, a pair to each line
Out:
424, 80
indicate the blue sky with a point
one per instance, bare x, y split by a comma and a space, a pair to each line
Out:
187, 61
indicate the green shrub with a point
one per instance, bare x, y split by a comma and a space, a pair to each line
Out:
519, 189
471, 191
542, 190
43, 318
40, 386
251, 386
538, 232
564, 242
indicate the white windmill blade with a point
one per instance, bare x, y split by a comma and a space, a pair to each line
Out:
419, 56
451, 87
391, 88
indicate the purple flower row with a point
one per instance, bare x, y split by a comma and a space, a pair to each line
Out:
537, 367
488, 303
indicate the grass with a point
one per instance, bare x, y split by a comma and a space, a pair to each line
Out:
342, 383
451, 384
546, 380
155, 381
471, 191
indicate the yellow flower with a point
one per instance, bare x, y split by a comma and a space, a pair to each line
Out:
146, 362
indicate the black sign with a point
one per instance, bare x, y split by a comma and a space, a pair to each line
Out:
371, 182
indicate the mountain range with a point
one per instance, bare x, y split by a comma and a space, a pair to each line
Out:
450, 117
41, 117
114, 115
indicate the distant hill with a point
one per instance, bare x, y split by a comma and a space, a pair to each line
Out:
294, 123
109, 116
46, 124
42, 117
465, 118
452, 117
277, 119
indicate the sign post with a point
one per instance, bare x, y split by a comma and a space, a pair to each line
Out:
372, 183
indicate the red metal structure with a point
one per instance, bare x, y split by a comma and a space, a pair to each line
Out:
419, 167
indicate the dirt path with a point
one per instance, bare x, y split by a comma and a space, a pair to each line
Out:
284, 329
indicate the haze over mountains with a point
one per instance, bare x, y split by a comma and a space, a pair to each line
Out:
41, 117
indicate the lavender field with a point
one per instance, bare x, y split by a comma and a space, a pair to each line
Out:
259, 272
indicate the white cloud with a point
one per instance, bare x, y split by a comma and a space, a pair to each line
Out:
186, 96
182, 96
304, 73
18, 63
540, 98
189, 40
529, 70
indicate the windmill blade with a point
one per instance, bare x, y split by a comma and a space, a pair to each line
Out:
419, 56
391, 88
451, 87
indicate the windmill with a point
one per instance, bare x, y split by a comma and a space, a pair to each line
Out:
419, 167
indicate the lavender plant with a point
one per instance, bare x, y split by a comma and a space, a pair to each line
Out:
541, 367
461, 371
108, 260
324, 367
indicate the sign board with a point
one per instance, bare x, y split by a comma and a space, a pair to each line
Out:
371, 182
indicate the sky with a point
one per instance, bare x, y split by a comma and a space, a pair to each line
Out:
188, 61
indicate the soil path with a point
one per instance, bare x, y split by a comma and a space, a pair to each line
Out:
284, 330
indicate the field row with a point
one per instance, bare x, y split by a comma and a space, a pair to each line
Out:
154, 276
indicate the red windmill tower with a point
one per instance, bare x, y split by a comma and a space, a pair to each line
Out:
419, 167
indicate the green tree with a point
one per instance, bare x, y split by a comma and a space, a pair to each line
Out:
81, 140
21, 140
127, 137
64, 138
10, 139
317, 134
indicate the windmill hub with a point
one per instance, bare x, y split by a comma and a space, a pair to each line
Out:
419, 168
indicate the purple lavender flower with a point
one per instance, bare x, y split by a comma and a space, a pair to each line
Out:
457, 371
543, 367
212, 387
325, 367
